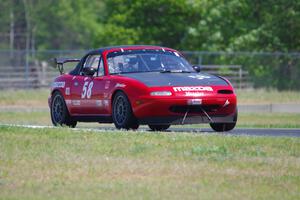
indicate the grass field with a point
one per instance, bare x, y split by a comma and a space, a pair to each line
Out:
29, 98
267, 97
61, 163
64, 164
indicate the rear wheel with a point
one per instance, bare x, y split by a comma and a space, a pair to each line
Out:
221, 127
159, 127
122, 114
59, 113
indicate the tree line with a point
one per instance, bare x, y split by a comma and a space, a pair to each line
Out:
202, 25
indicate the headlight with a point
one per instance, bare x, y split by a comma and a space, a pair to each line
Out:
161, 93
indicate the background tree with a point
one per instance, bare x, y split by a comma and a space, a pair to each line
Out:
206, 25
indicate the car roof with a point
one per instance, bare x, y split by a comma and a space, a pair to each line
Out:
127, 47
118, 48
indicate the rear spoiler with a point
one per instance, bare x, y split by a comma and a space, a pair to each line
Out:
59, 63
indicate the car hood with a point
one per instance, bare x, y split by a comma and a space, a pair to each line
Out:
156, 79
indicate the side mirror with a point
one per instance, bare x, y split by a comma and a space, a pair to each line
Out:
197, 68
88, 71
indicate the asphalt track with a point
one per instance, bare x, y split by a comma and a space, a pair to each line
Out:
273, 132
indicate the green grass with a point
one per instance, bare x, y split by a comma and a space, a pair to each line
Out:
269, 120
28, 98
37, 118
64, 164
261, 96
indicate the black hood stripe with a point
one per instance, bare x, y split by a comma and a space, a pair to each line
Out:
156, 79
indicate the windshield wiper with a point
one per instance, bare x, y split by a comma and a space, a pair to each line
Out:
175, 71
130, 72
161, 71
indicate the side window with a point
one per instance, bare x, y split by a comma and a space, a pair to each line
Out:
92, 61
101, 68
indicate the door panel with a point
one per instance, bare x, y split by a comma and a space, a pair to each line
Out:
87, 91
78, 84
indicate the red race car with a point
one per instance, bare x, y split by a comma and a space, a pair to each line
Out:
134, 85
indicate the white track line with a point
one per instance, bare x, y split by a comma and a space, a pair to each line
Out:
27, 126
102, 129
235, 132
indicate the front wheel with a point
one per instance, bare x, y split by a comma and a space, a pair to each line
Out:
221, 127
159, 127
59, 112
122, 114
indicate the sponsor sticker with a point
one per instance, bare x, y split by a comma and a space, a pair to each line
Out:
76, 102
191, 89
200, 77
106, 103
68, 101
99, 103
194, 101
194, 94
227, 102
58, 84
107, 84
67, 91
120, 85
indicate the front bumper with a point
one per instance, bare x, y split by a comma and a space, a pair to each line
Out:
164, 110
194, 119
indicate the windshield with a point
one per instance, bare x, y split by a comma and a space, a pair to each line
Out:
135, 61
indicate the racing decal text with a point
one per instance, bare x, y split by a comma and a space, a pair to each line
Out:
194, 94
87, 90
189, 89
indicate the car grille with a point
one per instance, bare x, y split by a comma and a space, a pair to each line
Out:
194, 108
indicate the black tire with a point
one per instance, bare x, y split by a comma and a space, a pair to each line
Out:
221, 127
59, 112
159, 127
122, 114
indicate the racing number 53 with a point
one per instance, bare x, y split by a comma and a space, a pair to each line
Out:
87, 90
